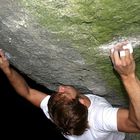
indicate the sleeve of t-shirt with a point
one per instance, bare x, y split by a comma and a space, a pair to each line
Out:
107, 119
44, 106
110, 118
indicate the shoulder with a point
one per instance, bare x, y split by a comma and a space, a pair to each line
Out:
98, 100
44, 102
44, 105
101, 113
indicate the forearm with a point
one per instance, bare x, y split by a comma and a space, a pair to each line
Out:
17, 81
132, 86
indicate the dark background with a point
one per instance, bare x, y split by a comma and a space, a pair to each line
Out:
19, 118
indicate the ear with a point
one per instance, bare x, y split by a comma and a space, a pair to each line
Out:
82, 101
61, 89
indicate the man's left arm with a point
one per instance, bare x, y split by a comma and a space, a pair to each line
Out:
19, 84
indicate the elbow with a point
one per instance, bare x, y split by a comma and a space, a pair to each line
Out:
26, 92
138, 124
135, 123
29, 90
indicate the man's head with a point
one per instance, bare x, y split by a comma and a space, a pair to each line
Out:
67, 110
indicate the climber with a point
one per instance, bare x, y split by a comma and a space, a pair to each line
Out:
83, 116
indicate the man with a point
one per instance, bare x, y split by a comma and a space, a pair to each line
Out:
81, 117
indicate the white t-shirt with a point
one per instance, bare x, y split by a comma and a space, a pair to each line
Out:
102, 119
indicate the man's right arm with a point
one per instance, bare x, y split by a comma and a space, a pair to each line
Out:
19, 84
132, 86
128, 119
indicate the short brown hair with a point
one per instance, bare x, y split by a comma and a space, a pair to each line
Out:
70, 116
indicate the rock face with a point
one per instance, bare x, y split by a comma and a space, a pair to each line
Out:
59, 42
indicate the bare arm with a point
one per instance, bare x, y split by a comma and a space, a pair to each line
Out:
128, 120
19, 84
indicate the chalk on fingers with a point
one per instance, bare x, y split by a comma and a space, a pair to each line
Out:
128, 46
112, 50
122, 53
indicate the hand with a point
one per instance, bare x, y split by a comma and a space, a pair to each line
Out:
4, 63
123, 64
